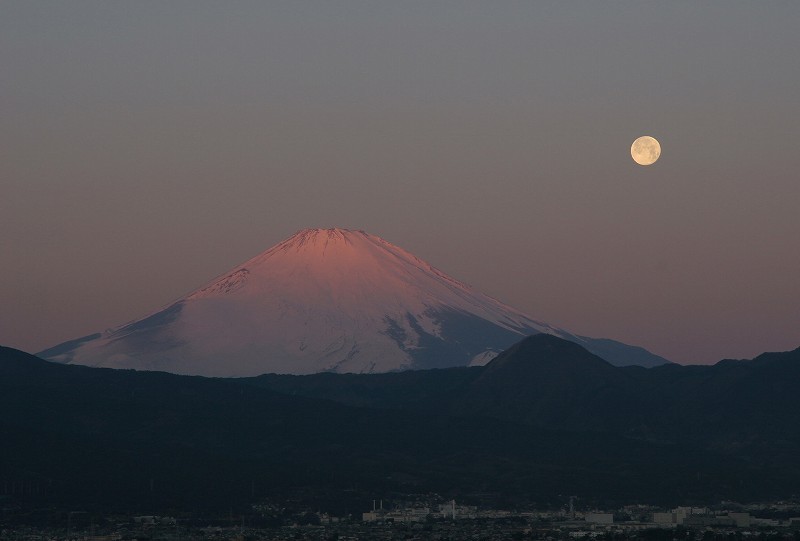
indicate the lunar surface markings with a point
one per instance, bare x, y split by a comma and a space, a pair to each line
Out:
645, 150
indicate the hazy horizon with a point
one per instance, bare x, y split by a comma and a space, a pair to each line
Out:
149, 147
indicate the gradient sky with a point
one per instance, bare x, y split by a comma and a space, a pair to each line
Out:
146, 147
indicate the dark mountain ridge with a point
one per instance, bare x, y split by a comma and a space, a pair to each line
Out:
544, 418
548, 382
545, 380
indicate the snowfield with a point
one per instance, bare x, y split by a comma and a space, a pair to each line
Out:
322, 300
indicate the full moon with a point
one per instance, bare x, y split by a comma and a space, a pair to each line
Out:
645, 150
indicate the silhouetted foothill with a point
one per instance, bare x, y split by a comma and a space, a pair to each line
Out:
546, 417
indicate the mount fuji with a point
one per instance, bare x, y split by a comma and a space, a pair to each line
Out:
325, 300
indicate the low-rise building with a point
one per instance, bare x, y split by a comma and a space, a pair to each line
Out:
599, 518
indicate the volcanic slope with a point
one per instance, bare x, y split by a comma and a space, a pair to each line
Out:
324, 300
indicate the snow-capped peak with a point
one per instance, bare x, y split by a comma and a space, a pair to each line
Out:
323, 299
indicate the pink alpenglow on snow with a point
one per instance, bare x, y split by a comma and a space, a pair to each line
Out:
324, 300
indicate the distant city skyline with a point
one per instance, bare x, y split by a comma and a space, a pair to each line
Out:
148, 147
